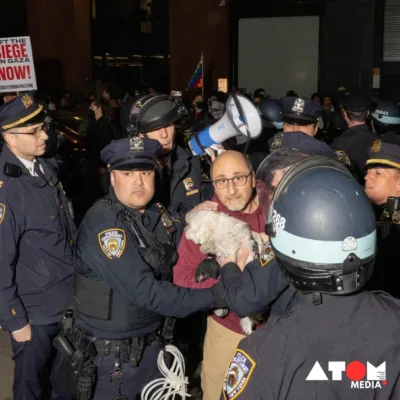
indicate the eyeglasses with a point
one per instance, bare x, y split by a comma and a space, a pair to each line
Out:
238, 180
36, 131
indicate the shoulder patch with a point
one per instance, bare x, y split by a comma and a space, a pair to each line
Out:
2, 212
395, 217
277, 142
267, 254
112, 242
343, 157
238, 375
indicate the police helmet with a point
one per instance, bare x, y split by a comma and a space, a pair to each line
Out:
271, 111
320, 222
386, 112
154, 111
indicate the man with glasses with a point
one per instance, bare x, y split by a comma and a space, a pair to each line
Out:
37, 237
234, 184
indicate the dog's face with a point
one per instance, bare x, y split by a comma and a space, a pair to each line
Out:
200, 226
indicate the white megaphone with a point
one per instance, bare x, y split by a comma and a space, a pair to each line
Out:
241, 118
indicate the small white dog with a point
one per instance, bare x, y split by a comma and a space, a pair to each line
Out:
220, 235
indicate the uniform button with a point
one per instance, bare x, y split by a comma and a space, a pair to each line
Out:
52, 217
71, 242
62, 206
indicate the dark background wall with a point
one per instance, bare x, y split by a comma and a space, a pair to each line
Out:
196, 27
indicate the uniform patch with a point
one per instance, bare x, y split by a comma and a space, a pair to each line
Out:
267, 255
277, 142
2, 212
190, 187
396, 217
239, 372
112, 242
342, 157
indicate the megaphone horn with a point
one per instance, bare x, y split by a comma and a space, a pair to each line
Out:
241, 118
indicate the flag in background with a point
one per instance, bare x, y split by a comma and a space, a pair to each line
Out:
197, 78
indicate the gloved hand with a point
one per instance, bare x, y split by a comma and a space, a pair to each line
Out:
208, 268
219, 297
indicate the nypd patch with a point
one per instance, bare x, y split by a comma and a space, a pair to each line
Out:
267, 254
2, 212
277, 142
239, 372
112, 242
396, 217
343, 157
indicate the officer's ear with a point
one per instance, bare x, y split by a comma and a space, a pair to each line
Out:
316, 127
9, 138
112, 178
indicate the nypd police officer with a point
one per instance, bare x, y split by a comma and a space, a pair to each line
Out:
382, 186
358, 138
125, 254
322, 232
153, 116
37, 237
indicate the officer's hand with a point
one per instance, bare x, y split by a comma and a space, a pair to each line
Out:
219, 298
23, 335
239, 258
208, 268
205, 206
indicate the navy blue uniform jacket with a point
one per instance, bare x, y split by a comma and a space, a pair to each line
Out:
36, 247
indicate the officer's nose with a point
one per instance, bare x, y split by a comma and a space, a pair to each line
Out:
43, 135
137, 178
163, 133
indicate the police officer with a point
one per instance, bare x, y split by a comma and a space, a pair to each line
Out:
382, 186
126, 249
358, 138
37, 237
386, 120
153, 116
322, 232
300, 118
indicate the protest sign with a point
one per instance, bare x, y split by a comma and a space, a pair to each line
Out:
17, 71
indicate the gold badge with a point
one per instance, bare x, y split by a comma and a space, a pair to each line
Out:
277, 142
267, 254
27, 100
112, 242
190, 187
343, 157
376, 146
238, 374
1, 184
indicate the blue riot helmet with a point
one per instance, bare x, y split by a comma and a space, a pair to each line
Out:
386, 116
321, 225
271, 111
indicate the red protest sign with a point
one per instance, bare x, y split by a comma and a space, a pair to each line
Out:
17, 71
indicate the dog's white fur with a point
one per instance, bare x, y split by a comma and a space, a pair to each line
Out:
221, 235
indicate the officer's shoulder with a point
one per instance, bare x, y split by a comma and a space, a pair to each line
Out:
102, 214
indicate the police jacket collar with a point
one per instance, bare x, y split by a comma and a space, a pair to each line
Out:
357, 128
150, 216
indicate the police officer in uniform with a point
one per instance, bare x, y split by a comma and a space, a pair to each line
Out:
37, 237
300, 118
358, 138
322, 232
126, 249
382, 186
153, 116
386, 121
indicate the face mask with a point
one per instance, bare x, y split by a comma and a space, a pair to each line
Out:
278, 125
91, 114
199, 105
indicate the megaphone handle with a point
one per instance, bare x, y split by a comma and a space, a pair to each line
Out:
243, 116
196, 138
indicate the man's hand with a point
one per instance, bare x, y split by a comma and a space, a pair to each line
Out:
239, 258
23, 335
211, 152
205, 206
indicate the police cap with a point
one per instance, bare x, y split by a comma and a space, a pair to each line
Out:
302, 142
133, 153
21, 111
300, 110
385, 154
357, 103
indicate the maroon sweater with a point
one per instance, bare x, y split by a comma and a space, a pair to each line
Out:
190, 257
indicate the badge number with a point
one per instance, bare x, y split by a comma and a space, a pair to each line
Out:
239, 372
112, 242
